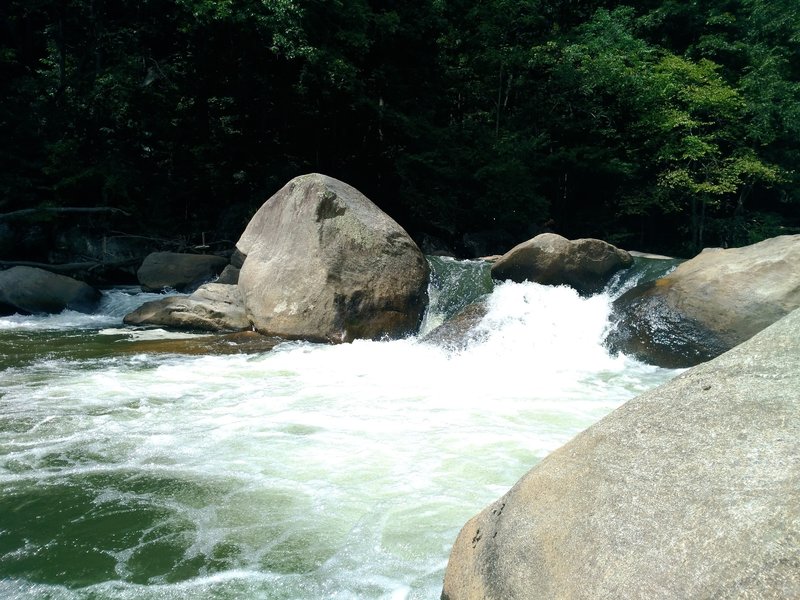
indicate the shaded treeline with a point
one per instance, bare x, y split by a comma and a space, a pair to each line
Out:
666, 125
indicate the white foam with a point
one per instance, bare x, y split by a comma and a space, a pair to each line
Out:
114, 304
135, 334
359, 462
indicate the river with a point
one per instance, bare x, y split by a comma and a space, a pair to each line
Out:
150, 465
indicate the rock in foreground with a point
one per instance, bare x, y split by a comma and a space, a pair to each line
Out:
29, 290
691, 490
323, 263
709, 304
550, 259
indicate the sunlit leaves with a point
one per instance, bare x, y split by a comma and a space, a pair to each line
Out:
279, 22
700, 117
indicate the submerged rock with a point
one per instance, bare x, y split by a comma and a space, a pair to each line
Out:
240, 342
323, 263
180, 272
29, 290
708, 304
212, 307
550, 259
458, 332
691, 490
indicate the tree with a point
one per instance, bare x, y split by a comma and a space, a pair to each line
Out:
453, 115
699, 132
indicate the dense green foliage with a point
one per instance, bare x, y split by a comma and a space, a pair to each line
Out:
665, 125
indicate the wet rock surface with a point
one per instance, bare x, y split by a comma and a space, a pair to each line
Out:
708, 304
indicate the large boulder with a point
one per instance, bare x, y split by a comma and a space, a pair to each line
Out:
29, 290
691, 490
550, 259
180, 272
212, 307
324, 263
709, 304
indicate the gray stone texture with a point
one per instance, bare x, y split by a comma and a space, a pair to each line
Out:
30, 290
212, 307
180, 272
323, 263
709, 304
550, 259
691, 490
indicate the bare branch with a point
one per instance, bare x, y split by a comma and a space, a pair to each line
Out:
69, 268
32, 212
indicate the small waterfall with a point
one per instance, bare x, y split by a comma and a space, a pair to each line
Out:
308, 471
642, 271
454, 284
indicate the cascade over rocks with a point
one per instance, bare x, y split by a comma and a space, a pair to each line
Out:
212, 307
29, 290
709, 304
181, 272
323, 263
550, 259
691, 490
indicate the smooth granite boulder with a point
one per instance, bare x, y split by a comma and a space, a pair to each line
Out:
550, 259
29, 290
323, 263
708, 304
691, 490
180, 272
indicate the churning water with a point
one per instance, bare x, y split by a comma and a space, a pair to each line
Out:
147, 465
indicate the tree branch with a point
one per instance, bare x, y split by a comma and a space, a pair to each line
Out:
70, 268
44, 210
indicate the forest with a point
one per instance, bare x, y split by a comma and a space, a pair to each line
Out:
659, 125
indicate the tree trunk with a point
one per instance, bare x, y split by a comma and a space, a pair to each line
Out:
499, 103
96, 34
62, 56
701, 224
739, 210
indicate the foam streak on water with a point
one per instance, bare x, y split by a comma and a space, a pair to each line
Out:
114, 304
311, 471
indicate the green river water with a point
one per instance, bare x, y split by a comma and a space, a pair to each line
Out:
146, 464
